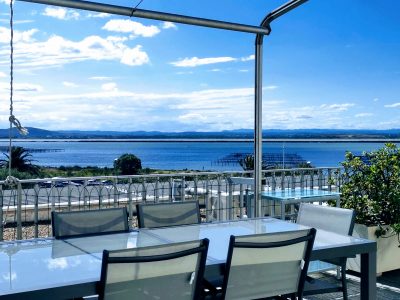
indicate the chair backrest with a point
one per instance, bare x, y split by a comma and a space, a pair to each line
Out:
171, 271
168, 214
266, 265
89, 222
334, 219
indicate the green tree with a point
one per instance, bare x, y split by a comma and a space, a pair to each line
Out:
371, 186
127, 164
20, 161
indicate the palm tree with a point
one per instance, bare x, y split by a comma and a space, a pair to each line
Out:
247, 163
20, 160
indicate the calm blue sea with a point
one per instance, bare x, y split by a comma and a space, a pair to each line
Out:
181, 155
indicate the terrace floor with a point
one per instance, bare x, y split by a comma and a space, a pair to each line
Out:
388, 287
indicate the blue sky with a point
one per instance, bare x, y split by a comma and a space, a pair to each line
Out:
327, 64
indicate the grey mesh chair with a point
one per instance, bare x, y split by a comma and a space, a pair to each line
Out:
267, 265
171, 271
90, 222
168, 214
338, 220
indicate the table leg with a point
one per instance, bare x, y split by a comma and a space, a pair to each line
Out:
368, 276
273, 208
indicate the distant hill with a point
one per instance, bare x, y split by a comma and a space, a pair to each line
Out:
37, 133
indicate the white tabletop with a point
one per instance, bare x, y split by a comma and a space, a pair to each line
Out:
47, 263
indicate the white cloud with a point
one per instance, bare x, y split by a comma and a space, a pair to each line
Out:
5, 2
19, 36
363, 115
61, 13
169, 25
101, 78
248, 58
69, 84
2, 75
195, 61
376, 99
21, 87
98, 15
184, 72
270, 87
134, 57
394, 105
6, 276
57, 51
215, 70
109, 87
113, 108
16, 21
57, 264
132, 27
337, 107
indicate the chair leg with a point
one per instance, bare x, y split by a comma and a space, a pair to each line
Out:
344, 281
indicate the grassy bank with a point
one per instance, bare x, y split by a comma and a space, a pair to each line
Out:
77, 171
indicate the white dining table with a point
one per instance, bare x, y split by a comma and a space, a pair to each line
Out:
60, 269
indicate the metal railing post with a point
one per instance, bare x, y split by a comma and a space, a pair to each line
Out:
320, 179
273, 181
183, 182
220, 206
171, 187
209, 210
36, 211
229, 205
85, 194
329, 179
53, 197
156, 187
69, 195
130, 206
293, 180
195, 182
1, 213
144, 190
302, 179
19, 211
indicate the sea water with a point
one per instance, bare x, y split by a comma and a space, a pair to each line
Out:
195, 155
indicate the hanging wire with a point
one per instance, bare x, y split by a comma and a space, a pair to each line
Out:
134, 9
13, 120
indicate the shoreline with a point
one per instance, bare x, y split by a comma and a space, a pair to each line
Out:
225, 140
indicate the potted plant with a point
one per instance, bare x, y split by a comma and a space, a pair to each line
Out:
371, 186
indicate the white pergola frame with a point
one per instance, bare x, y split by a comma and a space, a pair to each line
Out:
259, 31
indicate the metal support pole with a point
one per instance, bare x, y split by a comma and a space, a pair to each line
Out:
258, 125
258, 98
153, 15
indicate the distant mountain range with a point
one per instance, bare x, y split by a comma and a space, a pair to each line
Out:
37, 133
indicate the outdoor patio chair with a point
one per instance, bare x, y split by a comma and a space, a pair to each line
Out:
267, 265
170, 271
338, 220
168, 214
89, 222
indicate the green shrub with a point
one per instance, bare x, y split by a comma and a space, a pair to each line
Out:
371, 186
